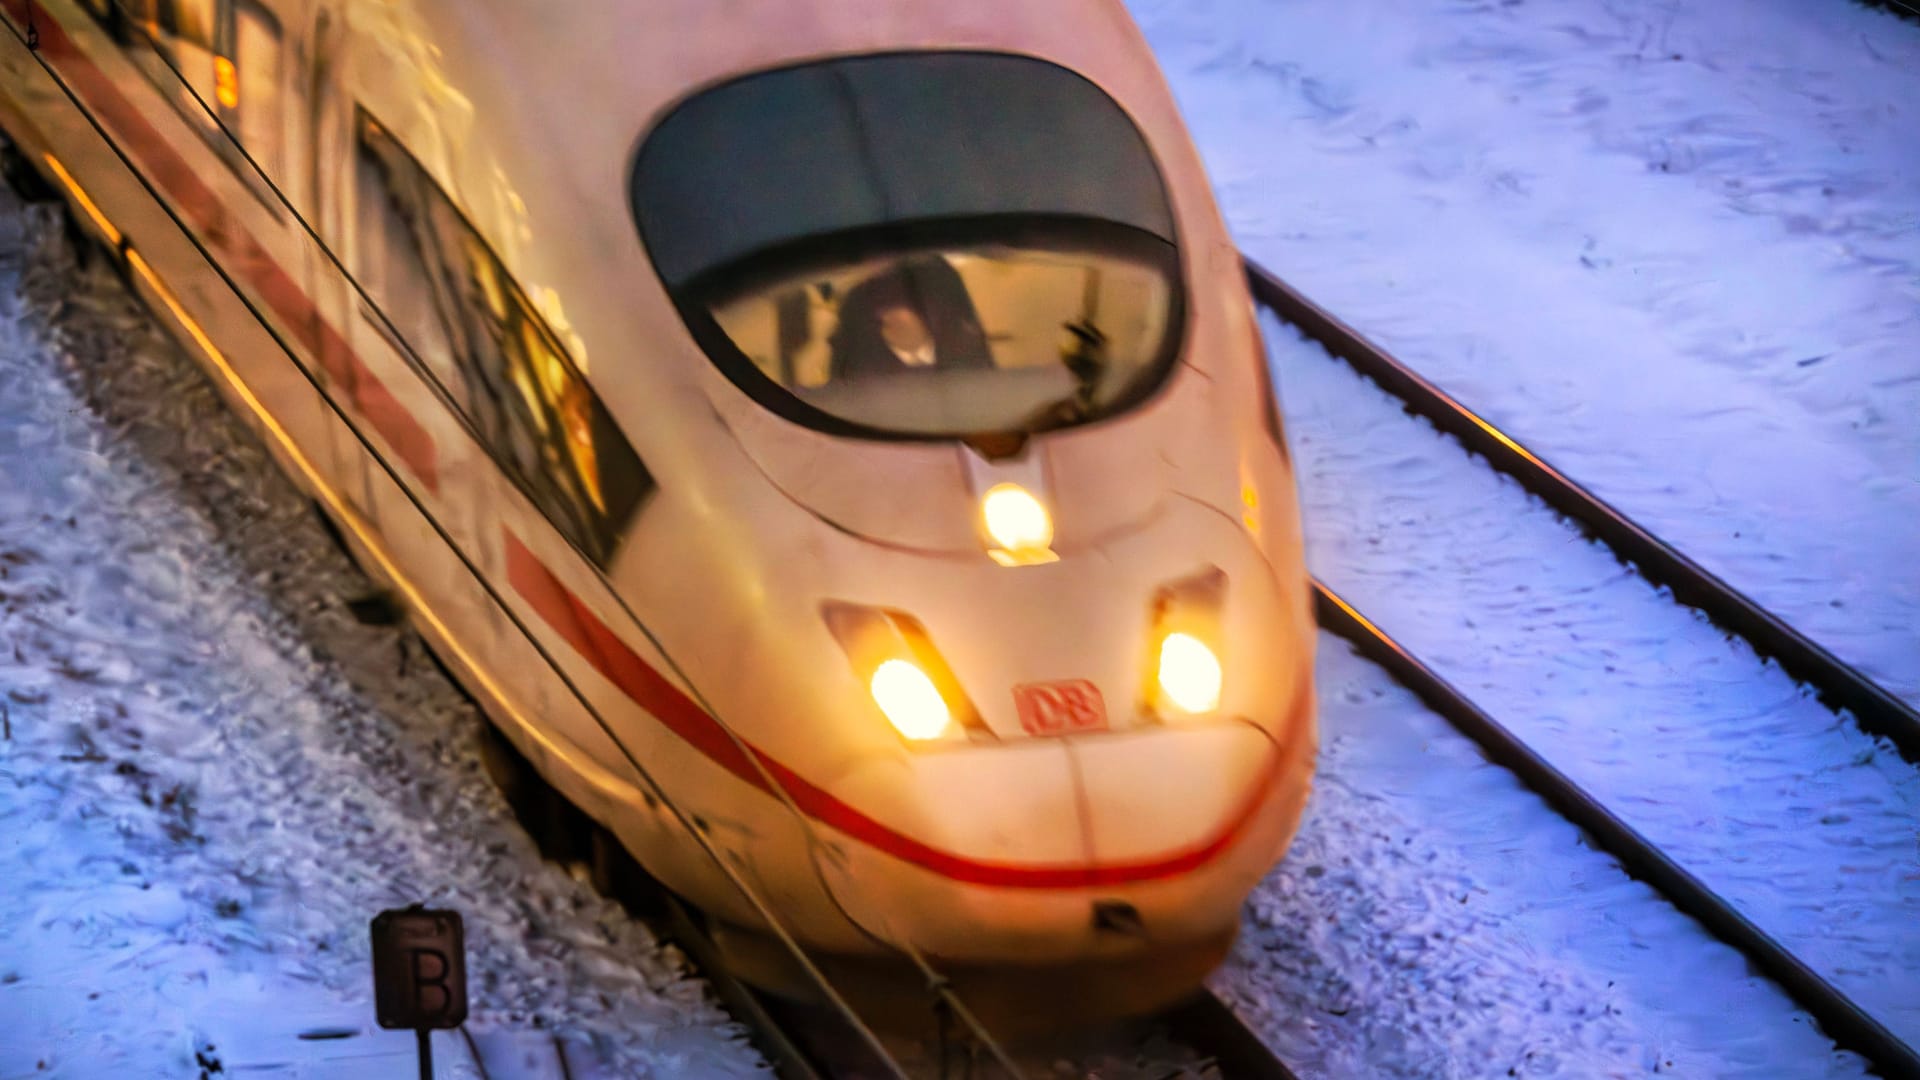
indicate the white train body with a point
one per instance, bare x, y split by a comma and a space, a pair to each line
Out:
1069, 817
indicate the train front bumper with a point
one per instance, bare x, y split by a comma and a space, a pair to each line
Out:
1121, 914
1080, 849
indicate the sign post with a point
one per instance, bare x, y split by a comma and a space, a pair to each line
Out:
420, 973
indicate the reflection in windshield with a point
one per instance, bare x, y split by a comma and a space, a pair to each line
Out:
912, 316
959, 341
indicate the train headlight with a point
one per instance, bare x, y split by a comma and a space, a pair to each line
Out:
910, 700
905, 675
1019, 523
1181, 669
1189, 674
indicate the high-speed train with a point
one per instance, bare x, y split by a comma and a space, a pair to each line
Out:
849, 412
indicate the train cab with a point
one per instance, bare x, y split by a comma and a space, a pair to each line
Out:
948, 295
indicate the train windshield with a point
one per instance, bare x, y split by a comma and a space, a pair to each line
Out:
917, 245
958, 340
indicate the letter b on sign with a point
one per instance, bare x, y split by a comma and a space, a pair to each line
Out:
419, 969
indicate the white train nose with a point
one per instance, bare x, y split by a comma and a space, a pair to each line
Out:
1074, 849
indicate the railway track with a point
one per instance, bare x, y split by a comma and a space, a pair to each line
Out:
1838, 685
1200, 1038
1845, 1022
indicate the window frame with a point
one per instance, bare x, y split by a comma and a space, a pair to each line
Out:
228, 33
1062, 233
210, 120
1158, 242
608, 537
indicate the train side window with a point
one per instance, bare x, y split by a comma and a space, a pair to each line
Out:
144, 12
173, 42
248, 84
389, 259
193, 21
523, 394
225, 56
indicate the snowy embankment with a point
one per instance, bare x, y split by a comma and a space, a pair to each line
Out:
1672, 246
1436, 919
1801, 821
213, 777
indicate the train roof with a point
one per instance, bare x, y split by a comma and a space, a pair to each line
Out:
565, 92
636, 59
532, 115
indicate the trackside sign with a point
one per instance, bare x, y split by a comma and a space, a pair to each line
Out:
419, 969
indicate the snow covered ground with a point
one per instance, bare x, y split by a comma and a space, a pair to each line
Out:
1675, 247
1672, 245
212, 777
1804, 823
1435, 919
1799, 820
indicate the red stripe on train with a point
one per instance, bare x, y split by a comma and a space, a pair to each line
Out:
201, 206
620, 665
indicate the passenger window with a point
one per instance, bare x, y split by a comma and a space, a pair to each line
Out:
503, 367
192, 21
248, 85
219, 55
173, 43
144, 12
388, 255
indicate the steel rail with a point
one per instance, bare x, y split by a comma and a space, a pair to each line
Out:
784, 1051
799, 1042
1844, 1021
1203, 1022
1838, 684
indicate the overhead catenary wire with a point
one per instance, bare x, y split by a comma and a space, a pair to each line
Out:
731, 872
937, 984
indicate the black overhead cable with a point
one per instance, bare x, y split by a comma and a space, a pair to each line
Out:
730, 871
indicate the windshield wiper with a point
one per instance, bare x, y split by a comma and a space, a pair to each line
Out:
1085, 358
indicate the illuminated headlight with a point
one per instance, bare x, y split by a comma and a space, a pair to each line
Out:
1019, 523
1189, 674
910, 700
1181, 671
905, 675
